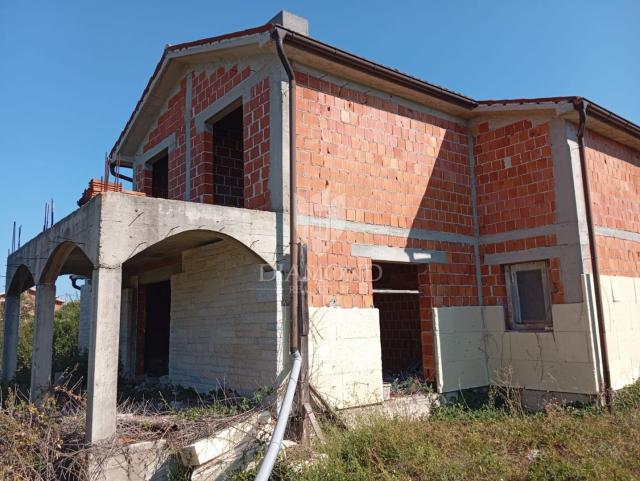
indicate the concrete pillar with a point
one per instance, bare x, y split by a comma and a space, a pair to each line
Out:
127, 334
103, 353
42, 340
10, 344
84, 327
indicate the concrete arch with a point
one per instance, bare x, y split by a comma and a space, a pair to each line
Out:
177, 243
66, 258
225, 305
21, 280
132, 224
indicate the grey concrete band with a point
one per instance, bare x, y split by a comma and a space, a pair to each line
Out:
418, 234
187, 137
618, 233
518, 234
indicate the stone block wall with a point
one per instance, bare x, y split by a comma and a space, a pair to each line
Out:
344, 355
225, 320
614, 181
621, 297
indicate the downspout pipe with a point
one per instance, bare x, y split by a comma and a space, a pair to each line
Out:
266, 467
294, 339
118, 175
581, 106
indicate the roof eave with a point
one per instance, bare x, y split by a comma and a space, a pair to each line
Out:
174, 52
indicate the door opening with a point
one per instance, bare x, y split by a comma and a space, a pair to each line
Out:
397, 298
160, 178
156, 332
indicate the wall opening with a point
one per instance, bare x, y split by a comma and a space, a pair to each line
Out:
397, 298
160, 177
157, 316
228, 159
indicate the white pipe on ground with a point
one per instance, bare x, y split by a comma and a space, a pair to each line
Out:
283, 418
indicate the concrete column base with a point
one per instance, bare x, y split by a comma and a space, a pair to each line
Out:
10, 345
103, 353
42, 340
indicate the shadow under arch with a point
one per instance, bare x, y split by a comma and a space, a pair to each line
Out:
223, 310
66, 258
21, 280
190, 239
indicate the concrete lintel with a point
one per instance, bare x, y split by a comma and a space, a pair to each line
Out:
168, 143
527, 255
399, 254
241, 90
10, 339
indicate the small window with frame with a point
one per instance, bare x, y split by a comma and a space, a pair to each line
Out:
529, 295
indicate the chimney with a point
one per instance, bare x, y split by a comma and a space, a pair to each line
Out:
292, 22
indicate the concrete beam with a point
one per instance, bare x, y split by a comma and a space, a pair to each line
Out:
42, 340
399, 254
103, 353
10, 344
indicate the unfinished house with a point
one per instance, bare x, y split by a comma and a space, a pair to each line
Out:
445, 236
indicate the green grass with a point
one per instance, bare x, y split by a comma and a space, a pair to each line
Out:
487, 443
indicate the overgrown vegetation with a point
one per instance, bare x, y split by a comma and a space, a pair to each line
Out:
494, 441
65, 341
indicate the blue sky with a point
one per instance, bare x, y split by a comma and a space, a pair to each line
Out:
72, 71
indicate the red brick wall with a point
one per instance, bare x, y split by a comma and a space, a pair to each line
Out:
516, 190
399, 330
142, 179
228, 168
365, 159
614, 181
207, 88
170, 121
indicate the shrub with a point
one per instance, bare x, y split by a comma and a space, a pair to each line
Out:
65, 342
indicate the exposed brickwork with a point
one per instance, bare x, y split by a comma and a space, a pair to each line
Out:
170, 121
399, 330
365, 159
256, 148
516, 190
142, 179
97, 186
614, 175
228, 167
388, 164
514, 172
207, 88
